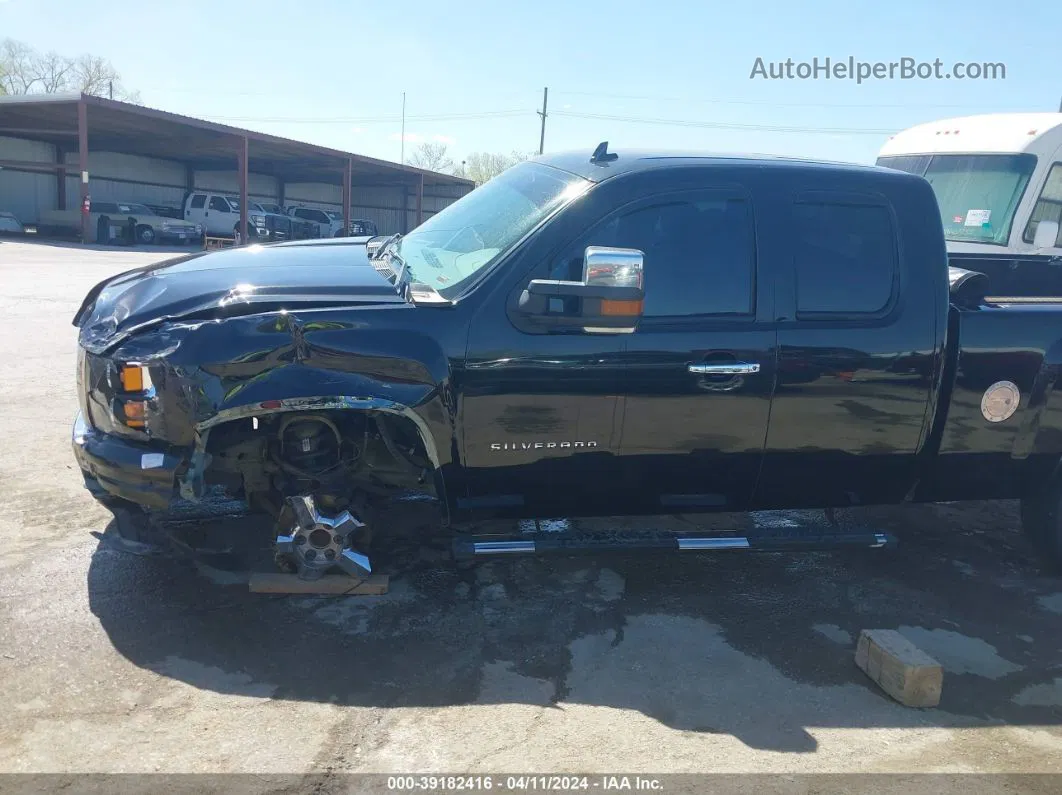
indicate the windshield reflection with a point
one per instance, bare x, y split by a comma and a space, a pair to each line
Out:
448, 251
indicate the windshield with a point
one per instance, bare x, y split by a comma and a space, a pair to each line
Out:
977, 194
447, 251
134, 209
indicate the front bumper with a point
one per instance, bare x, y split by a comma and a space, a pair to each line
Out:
179, 234
115, 467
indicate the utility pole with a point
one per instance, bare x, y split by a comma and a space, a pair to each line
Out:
1060, 106
403, 150
542, 113
110, 89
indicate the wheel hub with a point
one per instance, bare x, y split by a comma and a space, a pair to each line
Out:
318, 541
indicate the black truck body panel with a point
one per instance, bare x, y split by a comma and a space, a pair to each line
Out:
520, 420
1010, 275
982, 460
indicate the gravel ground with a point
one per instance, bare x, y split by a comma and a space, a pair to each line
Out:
116, 662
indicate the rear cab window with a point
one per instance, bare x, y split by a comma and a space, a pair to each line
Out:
845, 256
198, 201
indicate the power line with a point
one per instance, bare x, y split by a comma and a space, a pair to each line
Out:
767, 102
725, 125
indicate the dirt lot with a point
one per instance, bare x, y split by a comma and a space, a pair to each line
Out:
114, 662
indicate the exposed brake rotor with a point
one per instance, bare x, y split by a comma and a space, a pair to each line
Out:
318, 541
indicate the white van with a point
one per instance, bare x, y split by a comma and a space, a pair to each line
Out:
997, 178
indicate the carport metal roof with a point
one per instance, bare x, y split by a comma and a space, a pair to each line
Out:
134, 129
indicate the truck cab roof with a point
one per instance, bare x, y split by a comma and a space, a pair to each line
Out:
633, 160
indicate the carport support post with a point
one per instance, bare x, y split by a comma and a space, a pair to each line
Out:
60, 177
420, 200
241, 165
348, 174
82, 160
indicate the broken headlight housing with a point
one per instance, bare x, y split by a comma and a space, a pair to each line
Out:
125, 392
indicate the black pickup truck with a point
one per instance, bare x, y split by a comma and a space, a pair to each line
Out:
583, 335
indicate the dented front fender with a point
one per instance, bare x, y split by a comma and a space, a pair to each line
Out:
213, 372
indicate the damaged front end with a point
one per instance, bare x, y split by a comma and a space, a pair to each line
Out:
308, 416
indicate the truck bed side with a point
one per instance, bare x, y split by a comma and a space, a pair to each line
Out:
979, 459
1027, 275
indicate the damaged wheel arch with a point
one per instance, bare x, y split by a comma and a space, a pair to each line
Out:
366, 430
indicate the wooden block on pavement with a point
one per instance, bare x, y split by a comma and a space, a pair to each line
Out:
900, 668
335, 584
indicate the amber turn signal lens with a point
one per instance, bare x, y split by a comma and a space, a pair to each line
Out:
621, 308
135, 378
135, 413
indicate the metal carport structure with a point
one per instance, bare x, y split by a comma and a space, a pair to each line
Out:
72, 122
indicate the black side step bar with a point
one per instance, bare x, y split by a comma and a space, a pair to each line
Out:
479, 546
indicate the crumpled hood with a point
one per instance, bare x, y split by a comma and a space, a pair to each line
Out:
240, 281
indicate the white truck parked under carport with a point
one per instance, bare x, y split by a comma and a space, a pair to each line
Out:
219, 215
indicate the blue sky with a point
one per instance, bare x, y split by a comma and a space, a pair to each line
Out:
333, 72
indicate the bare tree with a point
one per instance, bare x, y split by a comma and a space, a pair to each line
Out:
24, 70
96, 76
17, 67
53, 72
432, 157
483, 166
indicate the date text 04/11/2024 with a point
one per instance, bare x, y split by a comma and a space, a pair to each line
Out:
522, 783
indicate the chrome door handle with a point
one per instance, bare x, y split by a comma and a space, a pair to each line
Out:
731, 368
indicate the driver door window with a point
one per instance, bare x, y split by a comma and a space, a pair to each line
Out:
219, 204
698, 255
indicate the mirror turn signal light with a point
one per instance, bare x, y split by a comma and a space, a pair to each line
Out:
135, 378
613, 308
135, 413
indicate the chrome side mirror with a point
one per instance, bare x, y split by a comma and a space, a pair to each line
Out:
610, 294
613, 267
619, 270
